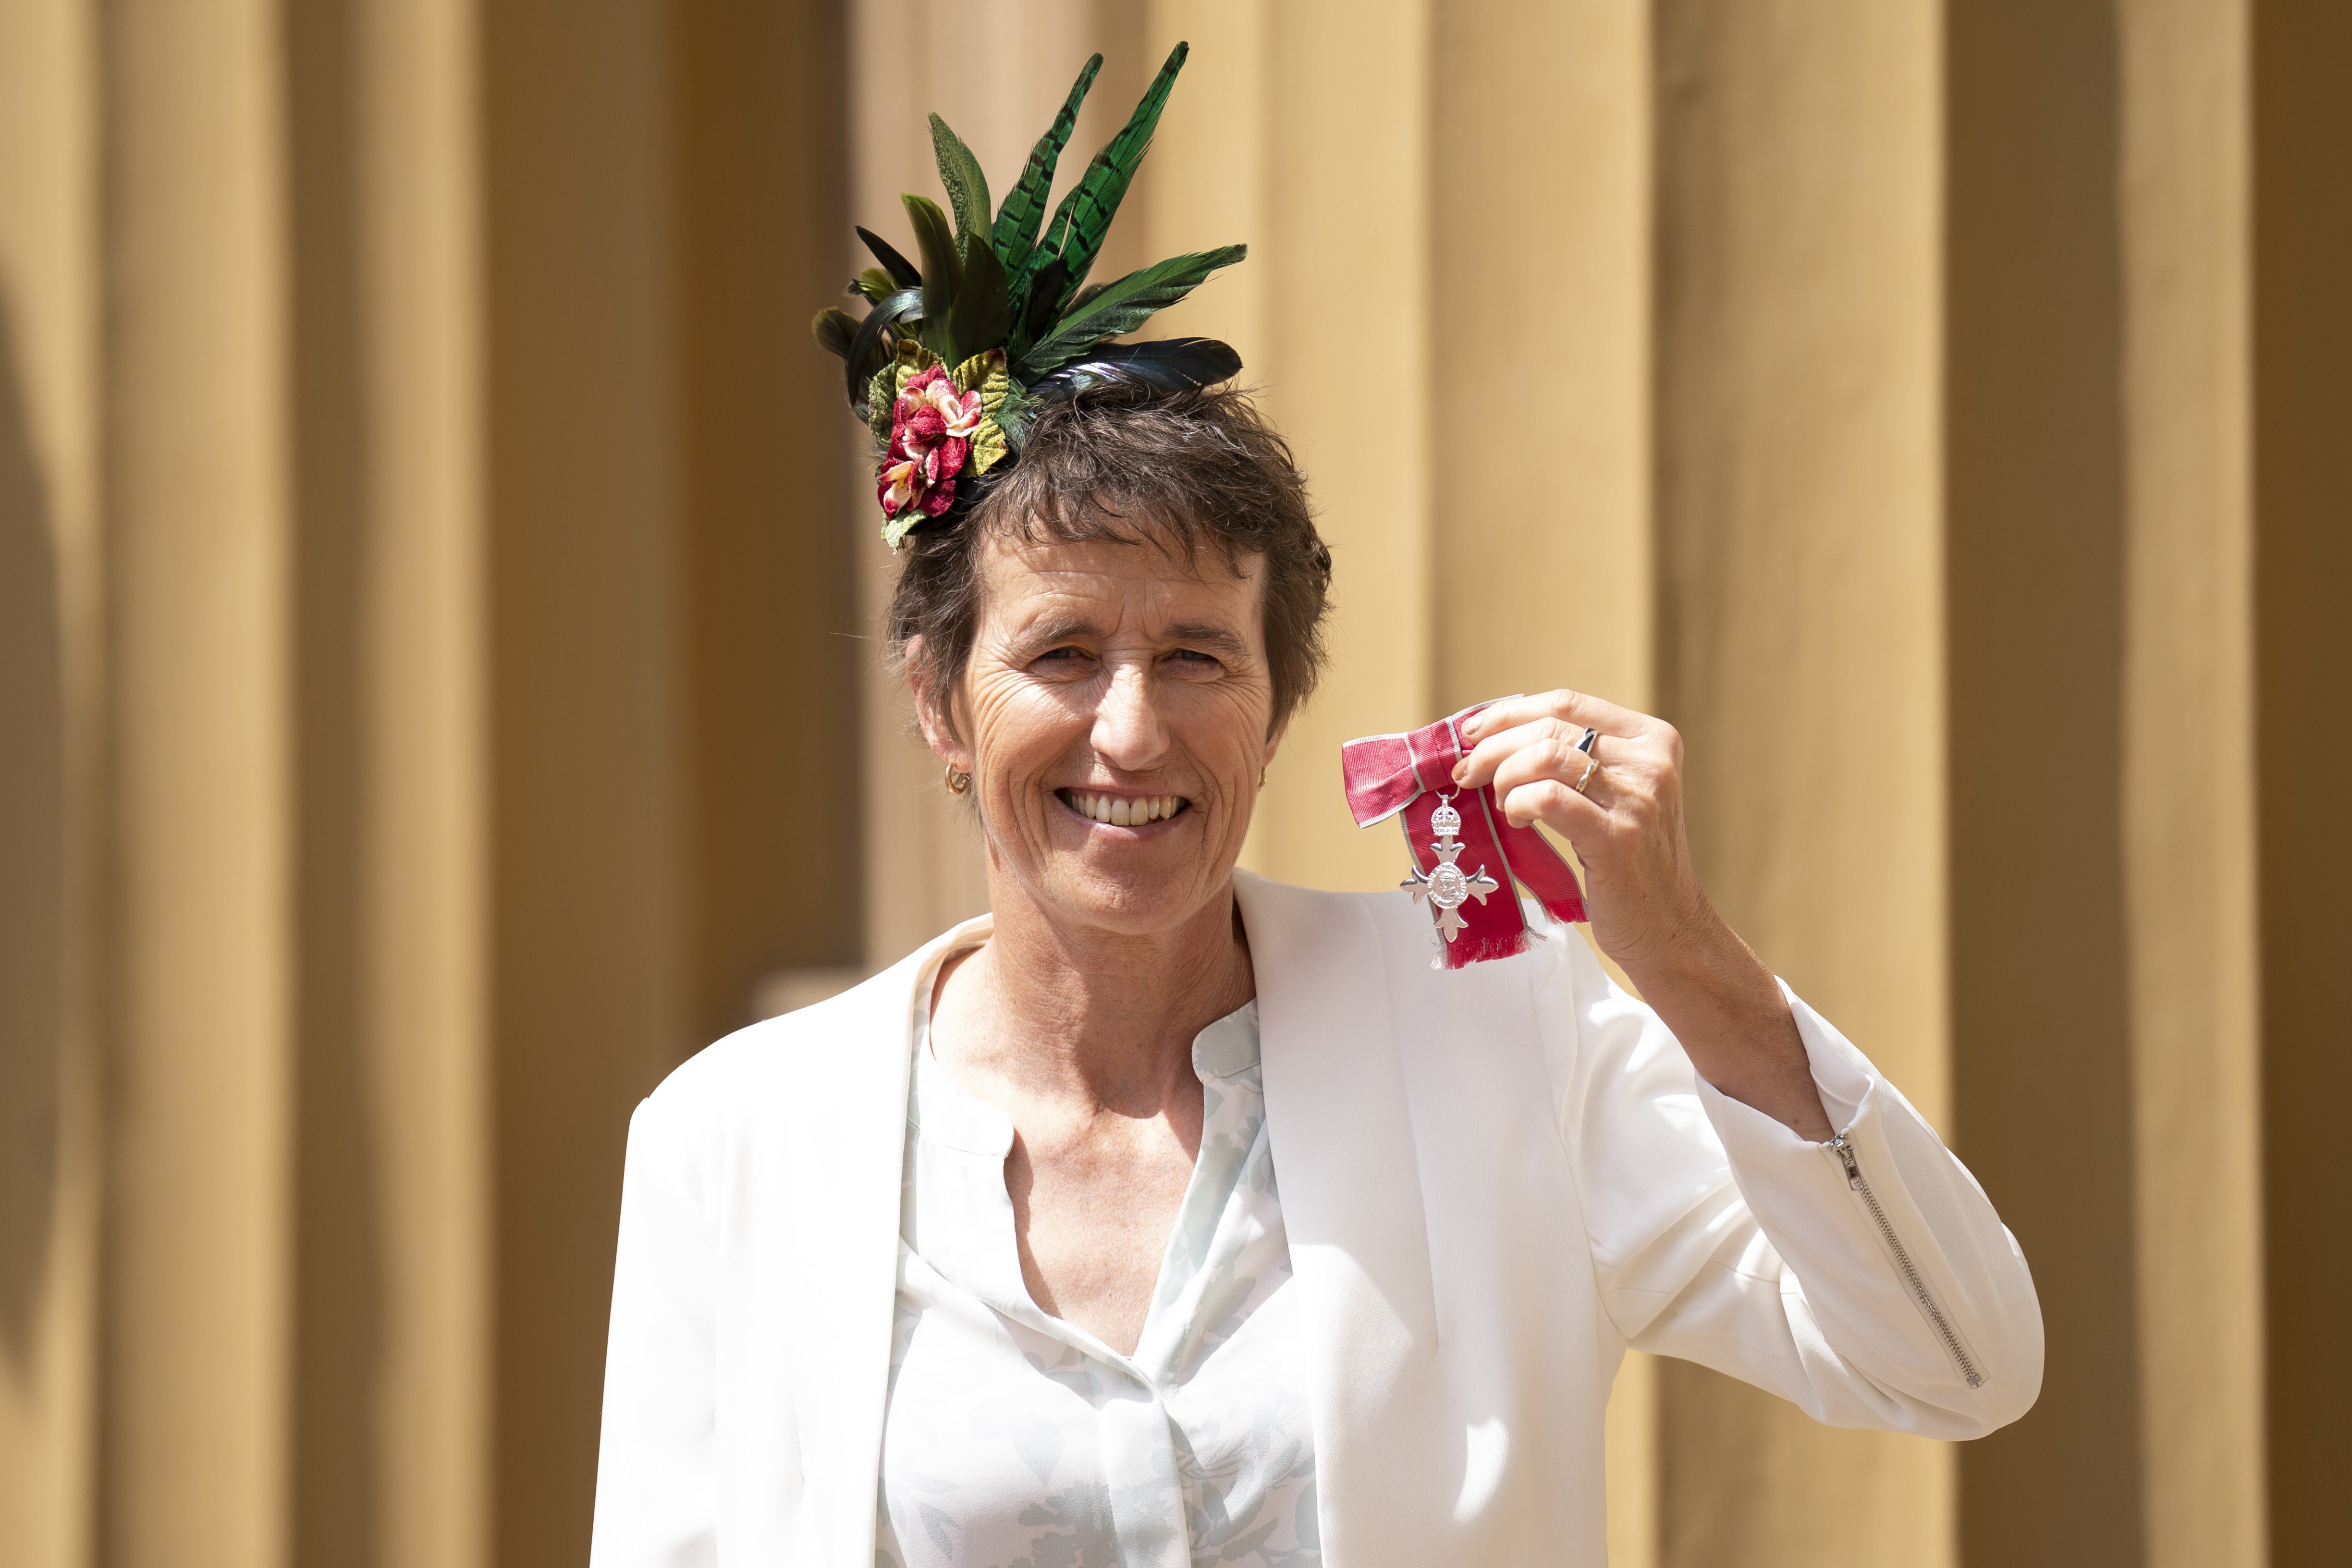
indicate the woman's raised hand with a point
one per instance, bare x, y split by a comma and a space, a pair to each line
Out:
1618, 800
1609, 781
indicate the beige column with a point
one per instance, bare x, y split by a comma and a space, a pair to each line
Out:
2189, 834
1541, 570
51, 648
1347, 363
771, 625
423, 830
1799, 634
198, 1199
591, 996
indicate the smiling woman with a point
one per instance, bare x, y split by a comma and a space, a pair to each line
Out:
987, 1261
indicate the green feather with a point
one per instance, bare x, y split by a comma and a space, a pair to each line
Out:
967, 185
1024, 212
1084, 217
872, 284
835, 331
1122, 307
983, 309
942, 271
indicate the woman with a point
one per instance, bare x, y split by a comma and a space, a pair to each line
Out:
1168, 1215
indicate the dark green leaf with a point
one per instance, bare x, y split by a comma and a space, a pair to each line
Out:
871, 285
966, 184
1018, 220
835, 331
866, 351
1084, 217
983, 311
902, 271
942, 273
1123, 307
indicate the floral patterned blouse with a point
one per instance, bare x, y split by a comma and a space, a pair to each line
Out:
1016, 1440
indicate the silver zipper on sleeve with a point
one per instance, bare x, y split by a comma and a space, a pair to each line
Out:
1914, 1281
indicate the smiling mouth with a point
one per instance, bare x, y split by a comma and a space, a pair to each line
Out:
1120, 811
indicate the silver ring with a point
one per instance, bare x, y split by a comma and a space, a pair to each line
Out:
1586, 776
1585, 745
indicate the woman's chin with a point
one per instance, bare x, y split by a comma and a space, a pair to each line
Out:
1124, 889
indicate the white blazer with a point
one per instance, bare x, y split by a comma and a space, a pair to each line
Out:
1494, 1181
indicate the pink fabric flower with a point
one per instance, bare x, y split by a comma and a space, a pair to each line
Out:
931, 426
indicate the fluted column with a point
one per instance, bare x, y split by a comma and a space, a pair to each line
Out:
1799, 635
1347, 363
2188, 834
422, 833
199, 1201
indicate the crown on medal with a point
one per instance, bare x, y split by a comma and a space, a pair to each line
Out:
1445, 822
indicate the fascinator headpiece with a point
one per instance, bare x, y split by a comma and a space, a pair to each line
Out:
952, 361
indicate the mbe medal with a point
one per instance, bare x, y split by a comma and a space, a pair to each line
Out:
1447, 886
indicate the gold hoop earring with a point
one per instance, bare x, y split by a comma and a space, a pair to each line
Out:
1261, 778
957, 783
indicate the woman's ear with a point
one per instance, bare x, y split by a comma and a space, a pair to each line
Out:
931, 711
1273, 741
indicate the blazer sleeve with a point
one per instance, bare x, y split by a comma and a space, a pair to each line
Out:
655, 1488
1870, 1283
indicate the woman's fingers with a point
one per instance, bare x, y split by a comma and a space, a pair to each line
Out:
1546, 748
1565, 706
1556, 805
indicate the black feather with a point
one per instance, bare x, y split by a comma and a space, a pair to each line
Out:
1170, 364
901, 270
867, 345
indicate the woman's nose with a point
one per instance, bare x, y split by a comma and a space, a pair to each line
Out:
1128, 733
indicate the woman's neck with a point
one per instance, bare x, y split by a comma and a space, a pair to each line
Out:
1077, 1013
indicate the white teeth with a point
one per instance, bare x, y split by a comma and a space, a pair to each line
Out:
1118, 811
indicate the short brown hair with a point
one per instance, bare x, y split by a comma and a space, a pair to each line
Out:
1130, 463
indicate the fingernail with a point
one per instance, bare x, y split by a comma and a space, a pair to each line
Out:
1461, 771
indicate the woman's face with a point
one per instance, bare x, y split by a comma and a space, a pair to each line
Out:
1113, 718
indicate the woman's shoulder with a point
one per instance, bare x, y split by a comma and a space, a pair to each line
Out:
794, 1055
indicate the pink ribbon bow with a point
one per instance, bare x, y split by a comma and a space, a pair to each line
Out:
1403, 775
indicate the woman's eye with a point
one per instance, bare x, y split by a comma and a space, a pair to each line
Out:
1191, 656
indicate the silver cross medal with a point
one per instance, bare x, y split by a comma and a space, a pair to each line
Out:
1447, 886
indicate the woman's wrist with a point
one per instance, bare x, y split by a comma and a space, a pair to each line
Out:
1709, 988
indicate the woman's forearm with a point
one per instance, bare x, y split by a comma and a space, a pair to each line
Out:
1727, 1011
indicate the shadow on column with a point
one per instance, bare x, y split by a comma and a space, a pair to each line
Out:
2035, 562
2303, 656
32, 872
340, 1348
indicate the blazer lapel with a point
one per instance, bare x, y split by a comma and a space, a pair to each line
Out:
1388, 1460
841, 1284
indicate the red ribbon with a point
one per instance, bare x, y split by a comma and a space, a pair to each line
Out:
1404, 776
